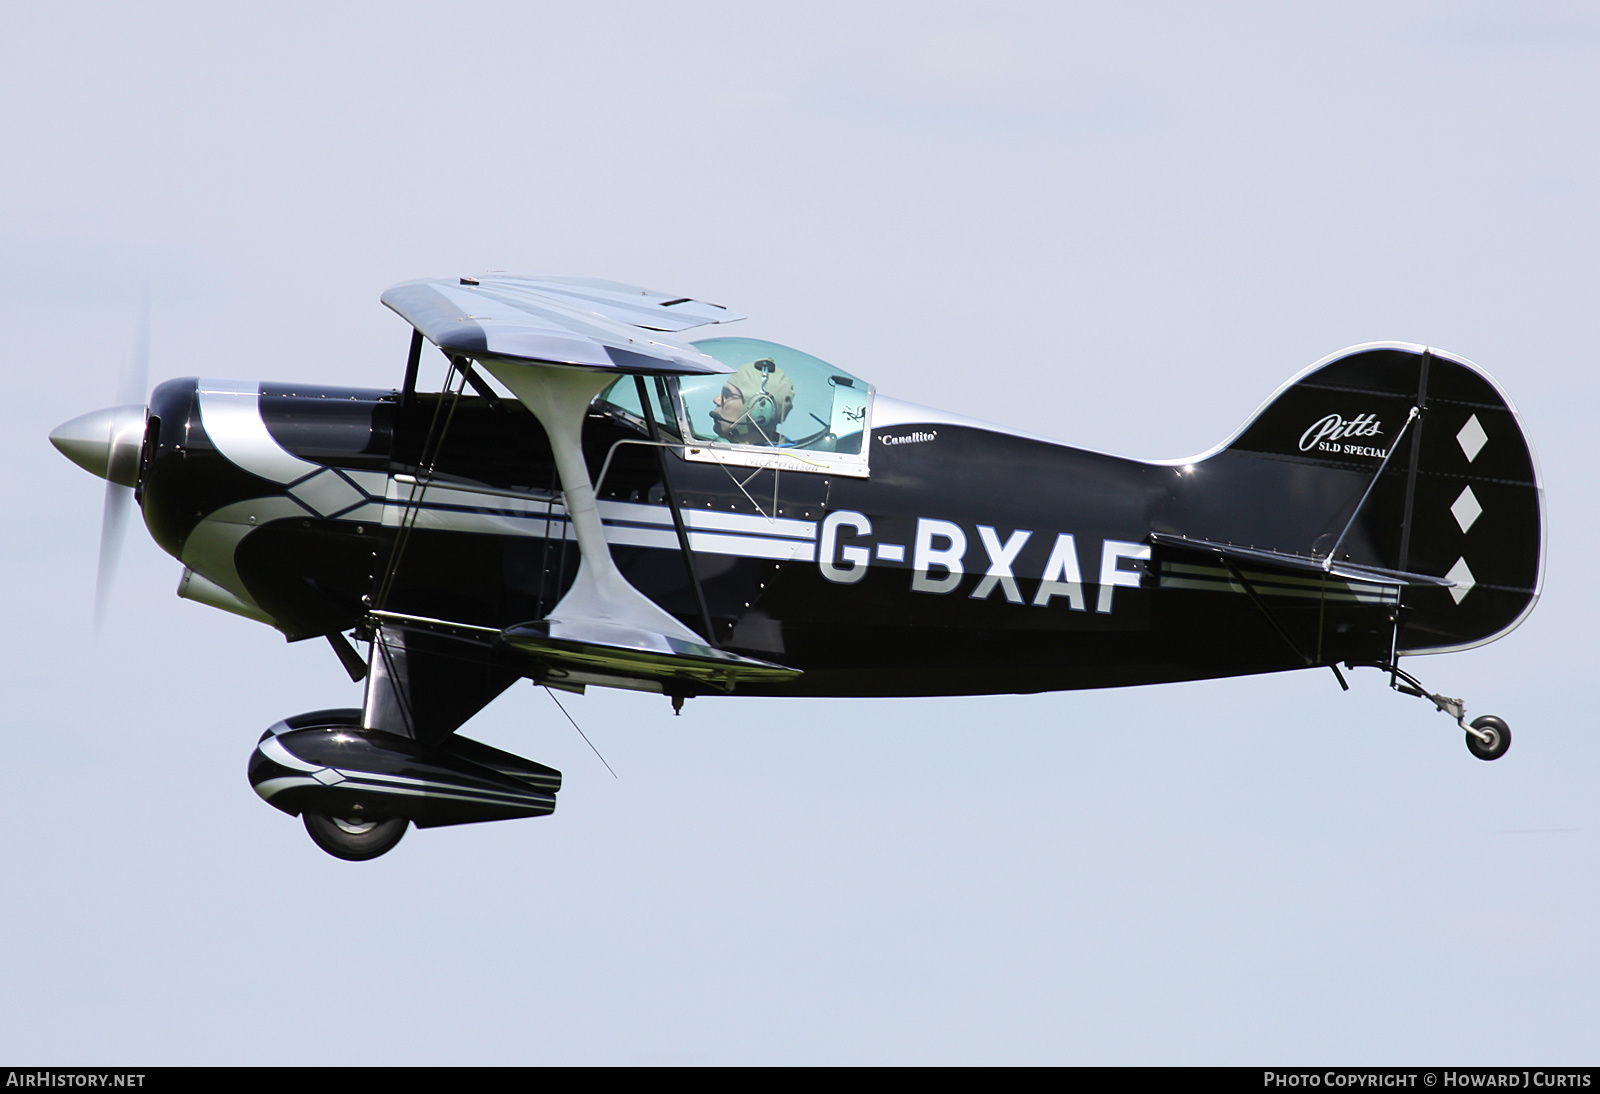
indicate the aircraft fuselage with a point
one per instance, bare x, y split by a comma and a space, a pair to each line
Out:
969, 561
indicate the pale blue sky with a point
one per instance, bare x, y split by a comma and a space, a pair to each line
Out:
1119, 225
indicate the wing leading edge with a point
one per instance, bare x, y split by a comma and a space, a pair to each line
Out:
573, 322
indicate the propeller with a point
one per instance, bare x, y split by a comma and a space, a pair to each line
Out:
109, 443
119, 497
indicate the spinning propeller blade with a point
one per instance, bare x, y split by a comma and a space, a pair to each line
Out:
113, 525
119, 498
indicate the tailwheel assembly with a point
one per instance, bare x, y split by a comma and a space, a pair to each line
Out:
1488, 736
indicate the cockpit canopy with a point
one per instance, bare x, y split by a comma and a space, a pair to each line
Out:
777, 402
777, 397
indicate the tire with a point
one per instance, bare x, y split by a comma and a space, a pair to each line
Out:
1496, 728
354, 841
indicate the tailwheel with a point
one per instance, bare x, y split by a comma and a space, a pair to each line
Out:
354, 839
1488, 737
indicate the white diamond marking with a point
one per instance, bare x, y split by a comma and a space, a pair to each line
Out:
1466, 509
1472, 438
327, 493
1462, 576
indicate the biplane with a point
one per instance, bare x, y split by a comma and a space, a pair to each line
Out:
591, 500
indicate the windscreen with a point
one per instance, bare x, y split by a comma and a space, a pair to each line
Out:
776, 397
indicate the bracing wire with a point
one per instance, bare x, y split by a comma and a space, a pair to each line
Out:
426, 463
581, 733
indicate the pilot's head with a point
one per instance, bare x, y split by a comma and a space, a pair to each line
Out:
754, 401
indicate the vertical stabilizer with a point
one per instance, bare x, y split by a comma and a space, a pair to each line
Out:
1399, 457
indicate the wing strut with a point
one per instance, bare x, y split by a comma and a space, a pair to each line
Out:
604, 628
560, 398
677, 514
412, 507
480, 385
408, 392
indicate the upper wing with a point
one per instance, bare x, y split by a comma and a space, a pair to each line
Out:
572, 321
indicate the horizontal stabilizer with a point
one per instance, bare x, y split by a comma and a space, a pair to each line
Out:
613, 650
579, 323
1349, 571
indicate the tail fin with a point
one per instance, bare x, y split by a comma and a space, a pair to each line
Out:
1338, 461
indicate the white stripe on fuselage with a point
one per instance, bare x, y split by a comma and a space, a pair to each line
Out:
459, 508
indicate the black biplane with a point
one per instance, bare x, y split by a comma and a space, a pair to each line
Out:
589, 501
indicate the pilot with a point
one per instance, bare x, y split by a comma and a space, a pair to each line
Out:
754, 402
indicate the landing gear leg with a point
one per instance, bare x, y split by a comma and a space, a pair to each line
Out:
1488, 737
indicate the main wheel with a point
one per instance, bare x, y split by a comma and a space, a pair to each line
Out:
1499, 738
351, 839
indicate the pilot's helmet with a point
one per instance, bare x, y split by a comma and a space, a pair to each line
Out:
768, 392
